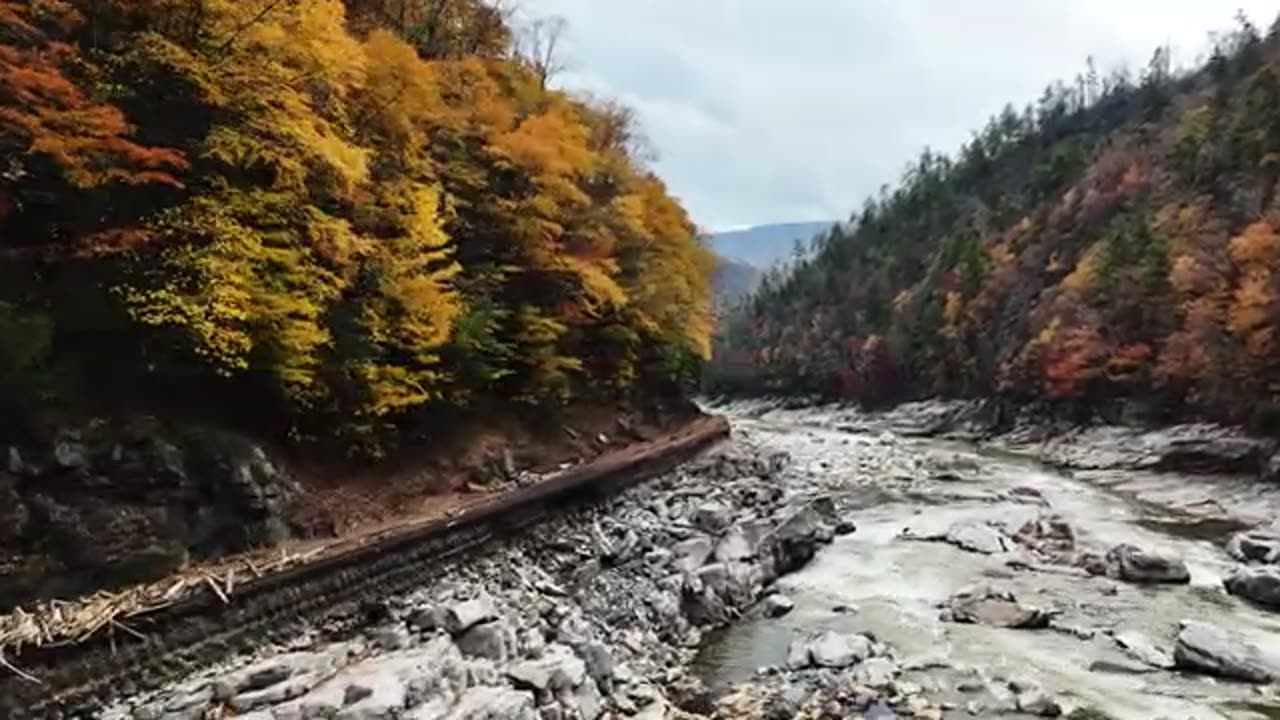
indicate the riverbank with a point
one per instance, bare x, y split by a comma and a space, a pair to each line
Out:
596, 611
1009, 587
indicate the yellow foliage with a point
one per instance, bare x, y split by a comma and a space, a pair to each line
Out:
1080, 279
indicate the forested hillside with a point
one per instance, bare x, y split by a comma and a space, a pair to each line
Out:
1118, 238
323, 219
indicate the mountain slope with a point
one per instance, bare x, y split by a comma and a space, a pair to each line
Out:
765, 245
1120, 238
732, 281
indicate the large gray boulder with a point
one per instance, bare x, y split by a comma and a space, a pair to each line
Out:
796, 539
1260, 585
1255, 546
1206, 648
1131, 563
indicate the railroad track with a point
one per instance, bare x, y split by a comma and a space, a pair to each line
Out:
77, 680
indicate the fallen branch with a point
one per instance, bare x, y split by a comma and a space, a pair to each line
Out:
18, 671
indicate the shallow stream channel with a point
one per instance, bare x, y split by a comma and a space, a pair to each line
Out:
983, 567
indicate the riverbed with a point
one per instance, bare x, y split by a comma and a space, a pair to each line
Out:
878, 581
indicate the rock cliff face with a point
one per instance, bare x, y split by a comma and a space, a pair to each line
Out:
105, 504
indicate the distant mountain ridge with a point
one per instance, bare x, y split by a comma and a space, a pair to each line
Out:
765, 245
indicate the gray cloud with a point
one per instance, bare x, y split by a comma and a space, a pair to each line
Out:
779, 110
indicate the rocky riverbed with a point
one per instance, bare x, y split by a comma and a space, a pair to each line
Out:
1006, 586
824, 564
597, 613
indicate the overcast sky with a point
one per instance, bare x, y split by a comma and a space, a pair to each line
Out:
784, 110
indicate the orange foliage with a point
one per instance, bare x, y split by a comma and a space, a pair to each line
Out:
45, 113
1073, 359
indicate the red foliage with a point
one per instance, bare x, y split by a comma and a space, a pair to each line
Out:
43, 112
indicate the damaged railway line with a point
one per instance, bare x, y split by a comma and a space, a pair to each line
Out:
72, 680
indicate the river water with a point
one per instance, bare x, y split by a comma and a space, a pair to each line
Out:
876, 581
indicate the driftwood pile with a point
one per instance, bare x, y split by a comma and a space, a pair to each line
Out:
63, 622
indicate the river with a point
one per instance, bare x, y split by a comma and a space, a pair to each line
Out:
875, 581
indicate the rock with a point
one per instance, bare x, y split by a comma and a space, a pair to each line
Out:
988, 606
1204, 449
798, 656
494, 640
831, 650
796, 539
845, 526
70, 453
1255, 546
1051, 535
712, 518
693, 553
391, 637
1034, 701
599, 662
777, 605
308, 668
1141, 648
586, 700
462, 616
978, 537
1260, 585
426, 619
486, 703
1206, 648
558, 669
740, 543
876, 672
1128, 562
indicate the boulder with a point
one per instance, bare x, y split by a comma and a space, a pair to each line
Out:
460, 617
740, 543
1204, 449
797, 538
978, 537
1140, 647
830, 650
1255, 546
1131, 563
1260, 585
988, 606
1213, 650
